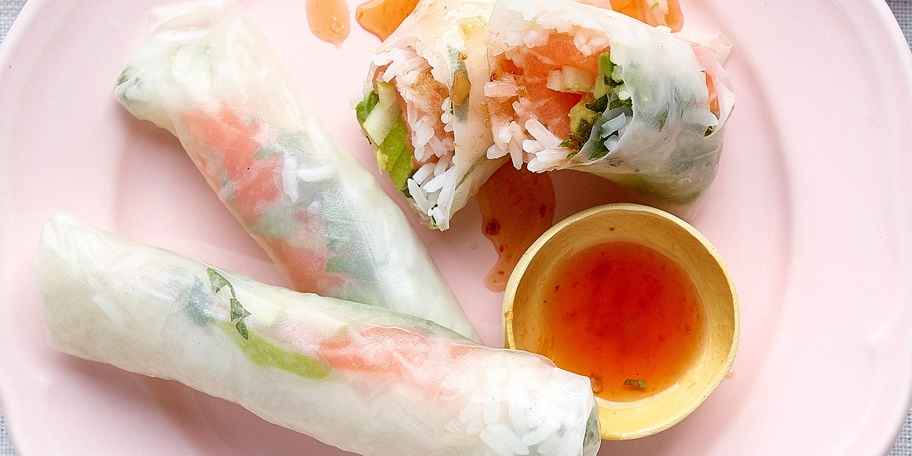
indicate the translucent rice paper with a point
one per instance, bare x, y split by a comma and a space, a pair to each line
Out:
208, 76
362, 378
446, 38
665, 152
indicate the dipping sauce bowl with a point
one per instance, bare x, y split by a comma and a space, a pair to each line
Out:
637, 300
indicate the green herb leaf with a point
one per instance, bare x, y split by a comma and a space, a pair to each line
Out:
599, 150
242, 329
635, 383
575, 142
237, 310
617, 103
599, 104
584, 129
218, 281
662, 119
124, 77
581, 119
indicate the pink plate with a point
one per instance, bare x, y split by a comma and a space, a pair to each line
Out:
811, 210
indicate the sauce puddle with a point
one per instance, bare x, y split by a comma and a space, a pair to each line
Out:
626, 316
517, 206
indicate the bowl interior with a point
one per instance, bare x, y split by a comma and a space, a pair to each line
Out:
523, 306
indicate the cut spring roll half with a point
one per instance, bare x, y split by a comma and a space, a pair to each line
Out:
359, 377
208, 76
574, 86
423, 108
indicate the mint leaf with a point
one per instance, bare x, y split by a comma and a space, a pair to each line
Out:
218, 281
617, 103
599, 149
237, 310
599, 104
242, 329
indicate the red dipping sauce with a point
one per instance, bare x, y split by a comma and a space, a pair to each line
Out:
517, 206
626, 316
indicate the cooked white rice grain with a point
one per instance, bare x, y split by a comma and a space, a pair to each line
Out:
542, 134
442, 165
435, 184
532, 146
499, 89
423, 173
418, 196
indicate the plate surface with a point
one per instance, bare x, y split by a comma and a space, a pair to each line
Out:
811, 211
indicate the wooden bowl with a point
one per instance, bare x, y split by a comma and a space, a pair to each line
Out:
527, 320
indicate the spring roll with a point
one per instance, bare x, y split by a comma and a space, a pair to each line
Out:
424, 107
359, 377
578, 87
209, 77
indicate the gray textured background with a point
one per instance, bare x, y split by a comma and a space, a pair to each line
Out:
902, 9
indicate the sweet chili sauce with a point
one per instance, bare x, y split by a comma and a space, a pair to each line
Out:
329, 20
517, 206
382, 17
626, 316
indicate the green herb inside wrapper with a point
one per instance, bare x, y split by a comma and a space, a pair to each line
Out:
605, 96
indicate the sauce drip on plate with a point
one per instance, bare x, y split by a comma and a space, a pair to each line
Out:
626, 316
517, 206
382, 17
329, 20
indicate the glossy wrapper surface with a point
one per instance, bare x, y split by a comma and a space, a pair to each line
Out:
207, 75
355, 376
670, 139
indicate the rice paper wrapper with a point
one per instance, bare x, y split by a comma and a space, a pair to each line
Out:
208, 76
359, 377
669, 149
436, 61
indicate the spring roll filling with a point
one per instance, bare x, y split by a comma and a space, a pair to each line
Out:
423, 166
533, 89
554, 101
